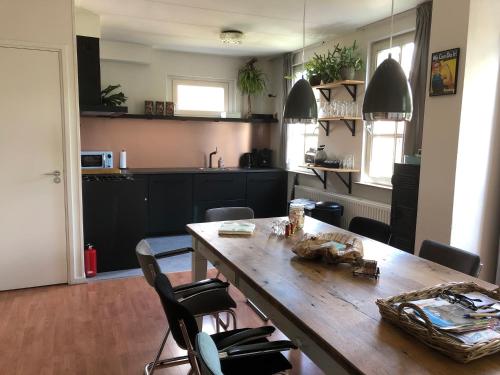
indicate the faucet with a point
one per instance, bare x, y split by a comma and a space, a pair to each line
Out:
210, 157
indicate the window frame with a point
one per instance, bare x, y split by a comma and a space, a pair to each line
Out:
226, 85
297, 74
368, 137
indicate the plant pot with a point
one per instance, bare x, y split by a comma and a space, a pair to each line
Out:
315, 80
347, 73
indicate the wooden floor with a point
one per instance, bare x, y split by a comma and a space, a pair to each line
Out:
105, 327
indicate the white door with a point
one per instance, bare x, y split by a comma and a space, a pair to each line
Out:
32, 204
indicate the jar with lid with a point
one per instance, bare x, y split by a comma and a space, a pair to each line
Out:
296, 215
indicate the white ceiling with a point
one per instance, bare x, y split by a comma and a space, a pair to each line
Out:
270, 26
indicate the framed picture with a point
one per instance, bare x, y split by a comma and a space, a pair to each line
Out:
148, 107
444, 68
169, 108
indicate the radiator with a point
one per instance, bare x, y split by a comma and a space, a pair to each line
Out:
352, 206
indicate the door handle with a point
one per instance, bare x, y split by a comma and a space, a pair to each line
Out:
55, 174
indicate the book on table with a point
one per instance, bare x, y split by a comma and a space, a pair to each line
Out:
240, 228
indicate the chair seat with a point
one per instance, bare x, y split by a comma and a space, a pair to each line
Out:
265, 364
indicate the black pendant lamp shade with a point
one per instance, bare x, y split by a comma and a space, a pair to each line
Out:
301, 104
388, 95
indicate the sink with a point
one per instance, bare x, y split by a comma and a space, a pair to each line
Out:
213, 169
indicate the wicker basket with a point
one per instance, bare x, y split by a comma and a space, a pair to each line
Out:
426, 332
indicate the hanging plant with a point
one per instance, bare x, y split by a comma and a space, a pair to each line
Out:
251, 81
112, 100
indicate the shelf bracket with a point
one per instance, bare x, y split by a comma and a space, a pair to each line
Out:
352, 90
322, 179
347, 183
325, 93
326, 126
351, 125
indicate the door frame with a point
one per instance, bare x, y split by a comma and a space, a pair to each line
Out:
71, 175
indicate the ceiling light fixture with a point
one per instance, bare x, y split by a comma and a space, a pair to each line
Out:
231, 36
388, 95
301, 106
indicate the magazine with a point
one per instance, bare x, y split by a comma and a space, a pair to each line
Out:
236, 228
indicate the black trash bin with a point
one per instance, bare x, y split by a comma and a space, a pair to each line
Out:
328, 212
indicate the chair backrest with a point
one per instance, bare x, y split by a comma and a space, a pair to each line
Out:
376, 230
149, 265
451, 257
208, 355
175, 313
229, 213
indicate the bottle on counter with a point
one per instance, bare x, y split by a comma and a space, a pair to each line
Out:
123, 159
220, 163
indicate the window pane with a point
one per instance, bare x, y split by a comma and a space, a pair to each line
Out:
200, 98
381, 159
300, 138
398, 157
384, 54
406, 58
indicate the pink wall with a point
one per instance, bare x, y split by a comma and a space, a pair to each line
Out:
167, 143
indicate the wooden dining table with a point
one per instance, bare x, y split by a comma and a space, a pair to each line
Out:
330, 314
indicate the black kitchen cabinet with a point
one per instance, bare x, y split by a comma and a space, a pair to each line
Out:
405, 183
170, 203
114, 219
266, 193
217, 190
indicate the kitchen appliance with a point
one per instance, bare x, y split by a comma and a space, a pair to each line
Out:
320, 155
96, 159
309, 156
247, 160
264, 158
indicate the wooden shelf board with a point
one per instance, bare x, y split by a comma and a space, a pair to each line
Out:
194, 118
338, 170
339, 118
335, 84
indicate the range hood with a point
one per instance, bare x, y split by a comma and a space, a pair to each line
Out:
89, 80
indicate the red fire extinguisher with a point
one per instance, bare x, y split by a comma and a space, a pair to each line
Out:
90, 257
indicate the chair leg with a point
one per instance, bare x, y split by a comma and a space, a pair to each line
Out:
151, 366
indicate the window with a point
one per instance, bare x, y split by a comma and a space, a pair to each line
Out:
200, 98
300, 137
384, 140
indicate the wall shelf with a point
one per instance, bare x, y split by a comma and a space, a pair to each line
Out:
337, 171
189, 118
352, 88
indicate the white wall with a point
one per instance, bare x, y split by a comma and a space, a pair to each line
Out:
460, 178
340, 142
50, 24
87, 23
146, 74
476, 203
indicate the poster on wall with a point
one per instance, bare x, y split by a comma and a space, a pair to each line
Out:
444, 68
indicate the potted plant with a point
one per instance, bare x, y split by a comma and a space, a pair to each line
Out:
349, 61
251, 81
112, 100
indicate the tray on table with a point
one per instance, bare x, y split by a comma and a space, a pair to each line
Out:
426, 332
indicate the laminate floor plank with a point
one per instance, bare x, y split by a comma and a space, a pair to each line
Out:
104, 327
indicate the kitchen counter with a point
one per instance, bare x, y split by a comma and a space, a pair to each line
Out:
198, 170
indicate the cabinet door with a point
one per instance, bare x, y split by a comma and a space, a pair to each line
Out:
115, 217
170, 203
266, 193
219, 186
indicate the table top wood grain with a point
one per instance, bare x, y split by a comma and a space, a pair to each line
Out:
338, 311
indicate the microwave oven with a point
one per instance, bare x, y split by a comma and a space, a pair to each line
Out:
96, 159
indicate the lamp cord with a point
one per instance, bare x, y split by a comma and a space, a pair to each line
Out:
392, 25
303, 37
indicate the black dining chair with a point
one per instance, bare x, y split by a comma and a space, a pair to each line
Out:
374, 229
234, 213
451, 257
201, 298
234, 343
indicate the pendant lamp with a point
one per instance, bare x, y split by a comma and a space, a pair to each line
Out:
301, 106
388, 95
